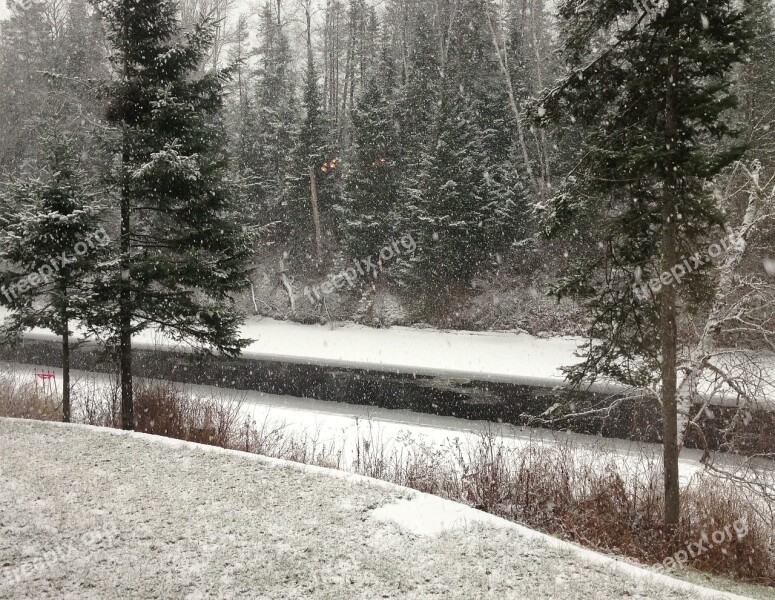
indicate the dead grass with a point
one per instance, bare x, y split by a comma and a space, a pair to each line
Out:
588, 498
24, 400
164, 409
593, 498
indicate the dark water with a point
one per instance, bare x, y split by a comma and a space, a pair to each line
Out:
467, 399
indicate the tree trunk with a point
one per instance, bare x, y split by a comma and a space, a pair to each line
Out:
669, 335
315, 213
66, 416
125, 322
125, 290
668, 324
125, 366
287, 285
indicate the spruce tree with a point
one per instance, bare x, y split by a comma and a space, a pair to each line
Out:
650, 101
468, 192
372, 186
464, 211
51, 243
180, 253
417, 110
314, 163
419, 97
275, 120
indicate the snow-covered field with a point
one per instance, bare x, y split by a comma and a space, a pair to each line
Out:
95, 513
493, 356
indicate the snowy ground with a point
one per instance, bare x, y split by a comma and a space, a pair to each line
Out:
494, 356
93, 513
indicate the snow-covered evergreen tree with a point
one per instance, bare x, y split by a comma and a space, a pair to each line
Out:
276, 108
649, 88
50, 246
314, 163
418, 101
464, 211
372, 186
181, 251
467, 187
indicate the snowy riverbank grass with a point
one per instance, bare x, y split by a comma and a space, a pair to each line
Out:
590, 498
21, 398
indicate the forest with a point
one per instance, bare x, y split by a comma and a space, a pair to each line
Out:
422, 118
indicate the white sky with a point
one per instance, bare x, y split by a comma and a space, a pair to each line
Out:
290, 7
292, 14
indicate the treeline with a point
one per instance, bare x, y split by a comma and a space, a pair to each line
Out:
403, 120
350, 123
361, 125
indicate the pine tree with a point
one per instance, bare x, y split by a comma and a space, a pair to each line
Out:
314, 164
464, 210
242, 123
417, 110
51, 245
467, 192
275, 111
651, 102
372, 185
180, 253
472, 70
419, 97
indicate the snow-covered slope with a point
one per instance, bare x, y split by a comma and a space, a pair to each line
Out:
500, 356
92, 513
